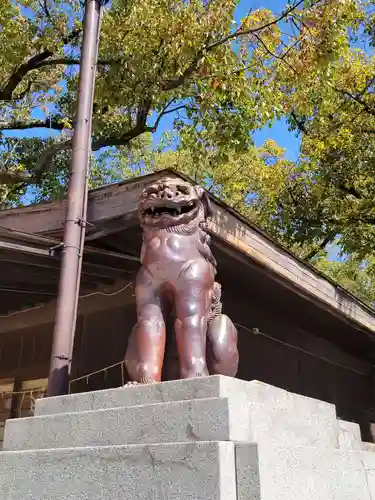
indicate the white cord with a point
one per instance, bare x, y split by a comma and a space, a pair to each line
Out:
81, 297
255, 331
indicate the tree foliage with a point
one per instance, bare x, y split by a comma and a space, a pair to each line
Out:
354, 274
216, 81
333, 108
188, 59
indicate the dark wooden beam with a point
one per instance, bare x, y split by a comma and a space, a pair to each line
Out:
28, 371
16, 247
105, 203
104, 298
94, 270
105, 228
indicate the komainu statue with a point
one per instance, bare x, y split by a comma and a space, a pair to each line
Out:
177, 281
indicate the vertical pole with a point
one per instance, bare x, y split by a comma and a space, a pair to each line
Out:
63, 335
85, 200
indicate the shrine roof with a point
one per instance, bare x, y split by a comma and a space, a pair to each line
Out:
113, 242
30, 266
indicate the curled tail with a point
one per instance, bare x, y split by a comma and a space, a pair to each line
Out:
216, 306
222, 352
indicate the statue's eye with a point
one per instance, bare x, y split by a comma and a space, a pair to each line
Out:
183, 189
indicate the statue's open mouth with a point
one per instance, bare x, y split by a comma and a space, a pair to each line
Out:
169, 209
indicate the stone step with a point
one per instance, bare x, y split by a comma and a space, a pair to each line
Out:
273, 472
180, 471
214, 419
349, 435
215, 386
188, 471
271, 414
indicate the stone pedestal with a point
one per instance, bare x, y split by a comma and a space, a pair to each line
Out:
212, 438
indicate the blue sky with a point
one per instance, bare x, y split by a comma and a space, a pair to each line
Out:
279, 131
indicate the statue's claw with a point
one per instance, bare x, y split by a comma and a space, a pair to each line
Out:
143, 381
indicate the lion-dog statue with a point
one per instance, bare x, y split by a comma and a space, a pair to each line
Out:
177, 280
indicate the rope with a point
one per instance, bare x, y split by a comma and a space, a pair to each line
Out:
105, 294
9, 395
105, 369
255, 331
15, 393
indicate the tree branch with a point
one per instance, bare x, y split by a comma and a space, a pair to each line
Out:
164, 112
280, 58
25, 92
139, 128
43, 162
54, 122
358, 99
44, 7
9, 178
367, 220
67, 61
318, 248
35, 62
173, 84
240, 32
349, 191
299, 122
103, 142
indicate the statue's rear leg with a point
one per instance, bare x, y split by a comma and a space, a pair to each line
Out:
222, 346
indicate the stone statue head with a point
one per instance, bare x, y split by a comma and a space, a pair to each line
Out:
171, 202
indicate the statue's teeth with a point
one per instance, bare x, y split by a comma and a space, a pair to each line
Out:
179, 210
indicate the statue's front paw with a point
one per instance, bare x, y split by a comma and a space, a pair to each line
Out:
131, 383
143, 381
